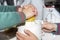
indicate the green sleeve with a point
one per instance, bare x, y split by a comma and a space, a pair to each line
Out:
10, 18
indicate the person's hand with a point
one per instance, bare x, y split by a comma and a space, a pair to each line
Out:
28, 36
48, 27
28, 10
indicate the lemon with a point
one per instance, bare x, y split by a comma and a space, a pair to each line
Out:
31, 19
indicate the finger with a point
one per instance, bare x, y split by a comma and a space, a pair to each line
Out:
29, 33
19, 38
21, 35
45, 30
44, 26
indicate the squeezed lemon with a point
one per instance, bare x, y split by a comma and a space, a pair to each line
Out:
31, 19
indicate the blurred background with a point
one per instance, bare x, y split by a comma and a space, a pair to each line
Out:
49, 0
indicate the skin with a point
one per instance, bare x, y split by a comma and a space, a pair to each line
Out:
28, 10
29, 36
48, 27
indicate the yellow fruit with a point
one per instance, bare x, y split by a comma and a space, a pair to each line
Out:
31, 19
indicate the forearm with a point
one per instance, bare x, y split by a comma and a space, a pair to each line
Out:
10, 17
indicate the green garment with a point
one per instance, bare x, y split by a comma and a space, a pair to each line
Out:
9, 17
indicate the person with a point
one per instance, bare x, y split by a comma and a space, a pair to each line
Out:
37, 5
10, 18
14, 17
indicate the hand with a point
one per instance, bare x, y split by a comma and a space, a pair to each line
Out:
48, 27
28, 36
28, 10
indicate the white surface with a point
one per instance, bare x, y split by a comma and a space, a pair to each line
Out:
13, 38
50, 36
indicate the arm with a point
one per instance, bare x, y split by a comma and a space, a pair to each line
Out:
10, 18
